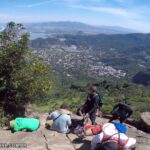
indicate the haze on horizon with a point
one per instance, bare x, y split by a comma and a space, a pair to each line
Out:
133, 14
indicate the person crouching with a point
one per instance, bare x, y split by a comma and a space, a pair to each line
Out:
59, 120
24, 124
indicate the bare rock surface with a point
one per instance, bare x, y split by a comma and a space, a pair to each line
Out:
44, 139
145, 121
146, 117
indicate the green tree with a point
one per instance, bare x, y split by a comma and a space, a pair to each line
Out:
23, 78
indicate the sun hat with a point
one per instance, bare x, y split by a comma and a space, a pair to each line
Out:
64, 111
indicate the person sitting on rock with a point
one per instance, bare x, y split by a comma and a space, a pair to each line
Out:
24, 124
121, 111
59, 120
89, 109
110, 136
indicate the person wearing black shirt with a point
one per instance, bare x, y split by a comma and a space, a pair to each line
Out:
121, 111
92, 104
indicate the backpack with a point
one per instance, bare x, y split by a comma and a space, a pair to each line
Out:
120, 127
101, 99
108, 144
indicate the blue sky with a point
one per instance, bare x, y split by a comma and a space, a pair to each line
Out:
134, 14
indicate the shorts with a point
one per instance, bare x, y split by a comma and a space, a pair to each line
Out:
96, 129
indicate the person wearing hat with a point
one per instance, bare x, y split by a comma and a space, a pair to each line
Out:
59, 120
28, 124
111, 136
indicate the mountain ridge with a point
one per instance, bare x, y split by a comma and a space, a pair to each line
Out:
75, 27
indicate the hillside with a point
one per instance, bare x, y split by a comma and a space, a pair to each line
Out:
129, 53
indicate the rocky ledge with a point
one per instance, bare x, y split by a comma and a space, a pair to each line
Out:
145, 121
44, 139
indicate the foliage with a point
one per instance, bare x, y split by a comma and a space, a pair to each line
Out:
23, 77
113, 91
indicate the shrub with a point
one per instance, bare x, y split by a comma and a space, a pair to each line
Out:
23, 78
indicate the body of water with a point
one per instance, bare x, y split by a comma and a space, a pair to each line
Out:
38, 35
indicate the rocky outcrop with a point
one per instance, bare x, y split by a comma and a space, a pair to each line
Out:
44, 139
145, 121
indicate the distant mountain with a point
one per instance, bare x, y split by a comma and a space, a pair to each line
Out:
67, 27
127, 43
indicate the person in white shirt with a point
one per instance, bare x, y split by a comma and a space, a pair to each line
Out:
112, 137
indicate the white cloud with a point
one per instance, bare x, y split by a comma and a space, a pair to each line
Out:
35, 4
138, 25
122, 1
47, 2
108, 10
34, 18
